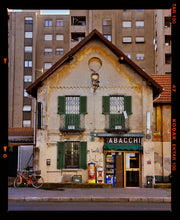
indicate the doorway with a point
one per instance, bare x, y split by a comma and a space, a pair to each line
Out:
125, 169
132, 169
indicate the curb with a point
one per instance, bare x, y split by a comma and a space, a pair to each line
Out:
91, 199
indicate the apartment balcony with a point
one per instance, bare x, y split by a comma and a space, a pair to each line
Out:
117, 123
72, 123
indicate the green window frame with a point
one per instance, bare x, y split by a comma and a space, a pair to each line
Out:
117, 121
81, 155
72, 113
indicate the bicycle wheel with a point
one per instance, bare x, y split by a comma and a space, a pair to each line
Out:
37, 181
18, 181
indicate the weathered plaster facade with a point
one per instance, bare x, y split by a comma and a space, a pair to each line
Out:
74, 79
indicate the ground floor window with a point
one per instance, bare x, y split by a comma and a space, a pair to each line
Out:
71, 155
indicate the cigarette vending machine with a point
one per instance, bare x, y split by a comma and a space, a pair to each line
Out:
91, 173
100, 176
110, 169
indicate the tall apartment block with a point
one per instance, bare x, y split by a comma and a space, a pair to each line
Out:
37, 41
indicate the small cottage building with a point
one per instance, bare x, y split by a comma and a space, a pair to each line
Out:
95, 105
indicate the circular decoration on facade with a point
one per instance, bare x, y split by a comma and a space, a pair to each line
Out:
94, 64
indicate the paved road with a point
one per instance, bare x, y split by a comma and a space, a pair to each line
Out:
87, 206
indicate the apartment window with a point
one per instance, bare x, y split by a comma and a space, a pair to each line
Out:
139, 39
28, 20
128, 55
139, 56
26, 123
78, 20
28, 49
48, 51
28, 34
77, 36
127, 39
27, 78
167, 58
167, 40
48, 23
139, 24
126, 24
59, 23
47, 65
59, 37
107, 28
25, 93
48, 37
27, 63
26, 108
167, 21
59, 50
108, 37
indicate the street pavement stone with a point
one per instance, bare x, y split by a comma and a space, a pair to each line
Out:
90, 194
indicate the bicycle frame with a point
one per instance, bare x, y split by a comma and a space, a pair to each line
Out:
28, 179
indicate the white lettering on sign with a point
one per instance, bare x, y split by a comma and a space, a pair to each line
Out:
123, 140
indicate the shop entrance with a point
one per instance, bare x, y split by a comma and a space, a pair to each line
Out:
122, 168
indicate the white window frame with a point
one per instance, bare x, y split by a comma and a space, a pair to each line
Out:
140, 56
47, 51
28, 49
26, 108
27, 78
48, 37
28, 63
139, 39
127, 39
47, 66
59, 51
28, 34
26, 123
59, 37
139, 24
126, 24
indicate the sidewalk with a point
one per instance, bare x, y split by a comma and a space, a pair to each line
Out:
90, 194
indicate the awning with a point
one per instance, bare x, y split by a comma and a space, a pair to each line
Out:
134, 147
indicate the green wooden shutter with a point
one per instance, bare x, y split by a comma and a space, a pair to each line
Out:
83, 104
83, 155
106, 105
61, 105
39, 115
60, 155
128, 104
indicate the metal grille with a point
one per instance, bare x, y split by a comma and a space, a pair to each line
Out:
72, 105
116, 104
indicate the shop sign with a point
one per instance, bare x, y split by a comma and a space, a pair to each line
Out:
122, 140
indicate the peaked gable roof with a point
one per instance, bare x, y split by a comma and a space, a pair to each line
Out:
32, 89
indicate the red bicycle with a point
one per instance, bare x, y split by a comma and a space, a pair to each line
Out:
30, 177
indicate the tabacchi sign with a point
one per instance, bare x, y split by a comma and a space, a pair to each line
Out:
122, 140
